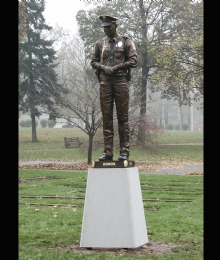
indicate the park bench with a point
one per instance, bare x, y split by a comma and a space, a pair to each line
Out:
72, 142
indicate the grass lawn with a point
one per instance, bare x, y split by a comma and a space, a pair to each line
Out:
53, 138
51, 201
176, 137
51, 209
178, 153
51, 147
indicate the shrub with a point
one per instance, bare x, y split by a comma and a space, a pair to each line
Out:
51, 123
169, 126
144, 133
22, 123
185, 126
43, 122
177, 127
67, 126
25, 123
28, 123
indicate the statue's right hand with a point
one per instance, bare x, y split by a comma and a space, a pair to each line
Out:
108, 69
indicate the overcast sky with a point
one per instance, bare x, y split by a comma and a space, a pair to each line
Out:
63, 13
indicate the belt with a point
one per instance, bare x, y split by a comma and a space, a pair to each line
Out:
121, 72
117, 72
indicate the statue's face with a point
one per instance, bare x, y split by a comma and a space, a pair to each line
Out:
110, 30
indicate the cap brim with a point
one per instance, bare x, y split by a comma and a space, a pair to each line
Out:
106, 24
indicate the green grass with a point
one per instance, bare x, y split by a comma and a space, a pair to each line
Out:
178, 137
51, 147
48, 138
173, 210
53, 138
180, 153
51, 202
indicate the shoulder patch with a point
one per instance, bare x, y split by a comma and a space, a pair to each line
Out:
133, 46
93, 50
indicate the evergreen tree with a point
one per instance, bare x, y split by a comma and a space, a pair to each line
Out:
22, 19
36, 66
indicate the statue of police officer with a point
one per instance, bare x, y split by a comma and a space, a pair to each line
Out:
113, 56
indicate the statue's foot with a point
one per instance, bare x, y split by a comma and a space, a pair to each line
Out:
123, 157
105, 157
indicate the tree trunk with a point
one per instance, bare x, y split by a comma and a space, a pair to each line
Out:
145, 70
180, 116
162, 116
33, 126
90, 149
189, 120
68, 120
191, 112
30, 92
143, 104
166, 115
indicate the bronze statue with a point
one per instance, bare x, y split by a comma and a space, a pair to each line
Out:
113, 56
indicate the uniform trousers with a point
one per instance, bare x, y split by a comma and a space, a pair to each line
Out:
115, 89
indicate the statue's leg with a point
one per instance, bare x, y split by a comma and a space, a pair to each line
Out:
121, 90
106, 102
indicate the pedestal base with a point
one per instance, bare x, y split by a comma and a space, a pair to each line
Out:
113, 214
113, 164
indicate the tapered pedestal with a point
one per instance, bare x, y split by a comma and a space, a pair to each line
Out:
113, 214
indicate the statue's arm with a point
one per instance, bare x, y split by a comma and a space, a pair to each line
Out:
95, 60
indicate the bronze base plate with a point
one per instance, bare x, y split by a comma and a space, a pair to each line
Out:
113, 164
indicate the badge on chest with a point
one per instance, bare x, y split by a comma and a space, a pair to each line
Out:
119, 44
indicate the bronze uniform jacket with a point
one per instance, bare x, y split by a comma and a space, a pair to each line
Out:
124, 53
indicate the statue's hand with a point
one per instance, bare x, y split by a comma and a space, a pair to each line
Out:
108, 70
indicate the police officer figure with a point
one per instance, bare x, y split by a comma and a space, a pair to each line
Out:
113, 56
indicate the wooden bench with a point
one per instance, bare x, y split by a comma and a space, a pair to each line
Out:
72, 142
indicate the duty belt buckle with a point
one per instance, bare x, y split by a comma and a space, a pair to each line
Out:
119, 72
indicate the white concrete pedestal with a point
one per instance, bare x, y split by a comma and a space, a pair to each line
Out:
113, 214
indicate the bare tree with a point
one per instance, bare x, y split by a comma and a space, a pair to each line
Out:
82, 101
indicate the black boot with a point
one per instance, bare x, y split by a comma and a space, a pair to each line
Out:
105, 157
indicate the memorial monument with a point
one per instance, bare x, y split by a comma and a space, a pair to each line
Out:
113, 214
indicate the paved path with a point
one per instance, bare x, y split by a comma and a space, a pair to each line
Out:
45, 162
185, 168
184, 144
